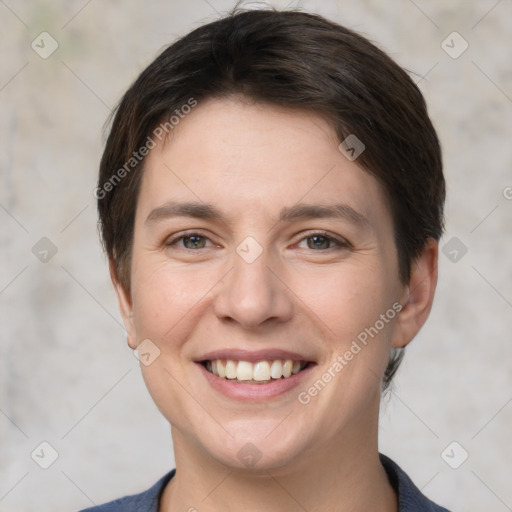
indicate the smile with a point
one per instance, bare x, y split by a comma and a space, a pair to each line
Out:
255, 375
259, 372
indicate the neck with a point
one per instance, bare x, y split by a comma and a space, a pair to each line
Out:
344, 475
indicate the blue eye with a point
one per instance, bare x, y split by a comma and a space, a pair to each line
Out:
318, 242
322, 242
191, 241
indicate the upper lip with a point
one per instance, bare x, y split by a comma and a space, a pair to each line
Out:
254, 356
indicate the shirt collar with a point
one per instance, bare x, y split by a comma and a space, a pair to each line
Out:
410, 498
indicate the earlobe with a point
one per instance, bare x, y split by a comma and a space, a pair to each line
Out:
125, 306
418, 295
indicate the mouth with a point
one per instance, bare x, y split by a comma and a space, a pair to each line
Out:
254, 375
259, 372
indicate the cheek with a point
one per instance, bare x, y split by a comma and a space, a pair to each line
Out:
166, 302
355, 306
349, 298
163, 296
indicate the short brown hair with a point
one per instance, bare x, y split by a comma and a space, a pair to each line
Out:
295, 60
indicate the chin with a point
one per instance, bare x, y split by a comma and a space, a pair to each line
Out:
255, 453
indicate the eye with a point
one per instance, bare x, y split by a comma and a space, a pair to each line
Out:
190, 241
318, 242
321, 242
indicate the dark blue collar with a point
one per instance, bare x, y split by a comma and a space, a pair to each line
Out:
410, 498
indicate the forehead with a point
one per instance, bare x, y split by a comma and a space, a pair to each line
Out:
255, 158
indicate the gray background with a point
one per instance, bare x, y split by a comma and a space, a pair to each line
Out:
67, 376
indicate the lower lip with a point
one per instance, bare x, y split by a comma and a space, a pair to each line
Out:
254, 392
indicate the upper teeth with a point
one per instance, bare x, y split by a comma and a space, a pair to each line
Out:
260, 371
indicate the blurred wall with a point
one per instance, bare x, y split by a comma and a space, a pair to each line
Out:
67, 376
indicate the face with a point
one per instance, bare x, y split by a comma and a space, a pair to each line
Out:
260, 250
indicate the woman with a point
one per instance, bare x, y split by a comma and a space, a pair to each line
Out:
271, 197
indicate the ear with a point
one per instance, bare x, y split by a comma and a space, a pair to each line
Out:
125, 306
418, 295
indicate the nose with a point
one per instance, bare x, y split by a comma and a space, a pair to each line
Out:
253, 294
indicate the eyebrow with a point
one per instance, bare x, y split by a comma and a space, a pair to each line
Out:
288, 214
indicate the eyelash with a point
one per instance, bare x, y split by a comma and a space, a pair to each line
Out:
340, 243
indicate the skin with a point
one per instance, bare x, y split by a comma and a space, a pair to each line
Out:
251, 160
